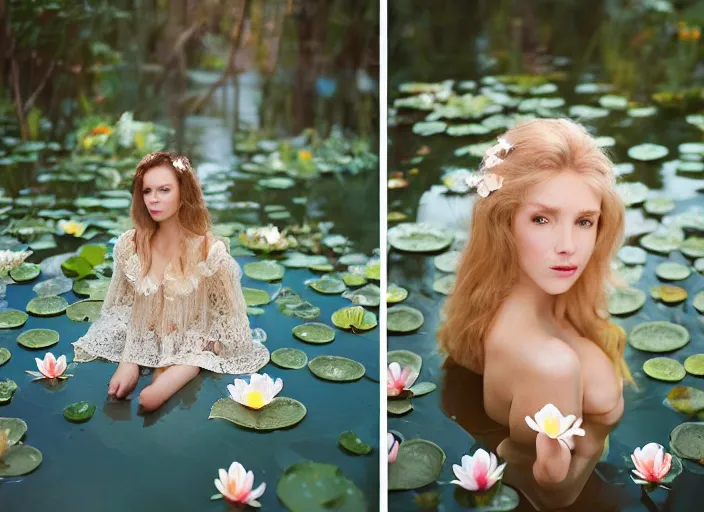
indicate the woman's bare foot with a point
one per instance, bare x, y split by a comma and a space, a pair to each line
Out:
124, 380
166, 385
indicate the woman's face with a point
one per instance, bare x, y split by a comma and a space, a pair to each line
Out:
161, 194
555, 231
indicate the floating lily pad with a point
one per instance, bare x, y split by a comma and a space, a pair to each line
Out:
328, 285
53, 286
631, 274
25, 272
76, 267
291, 304
586, 112
336, 368
687, 441
255, 311
314, 332
353, 279
11, 318
665, 369
624, 301
395, 293
255, 297
429, 127
500, 498
19, 460
660, 242
290, 358
605, 141
418, 463
281, 412
5, 355
405, 358
669, 294
445, 284
448, 261
399, 407
79, 412
647, 152
354, 317
17, 428
694, 365
264, 270
373, 271
633, 193
423, 388
659, 205
614, 102
693, 247
47, 306
85, 310
38, 338
93, 254
307, 486
642, 112
419, 237
691, 147
690, 167
353, 444
7, 390
404, 319
369, 295
632, 255
277, 183
659, 336
672, 271
92, 288
686, 399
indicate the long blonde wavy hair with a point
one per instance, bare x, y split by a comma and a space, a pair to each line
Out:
192, 216
488, 267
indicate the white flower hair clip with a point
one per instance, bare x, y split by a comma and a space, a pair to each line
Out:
487, 182
179, 164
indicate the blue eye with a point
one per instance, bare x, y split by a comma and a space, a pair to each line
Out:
538, 220
586, 223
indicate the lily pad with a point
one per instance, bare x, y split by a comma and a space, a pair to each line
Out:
500, 498
91, 287
11, 318
694, 365
76, 267
633, 193
354, 317
418, 463
659, 205
255, 297
614, 102
405, 358
25, 272
53, 286
687, 441
672, 271
647, 152
7, 390
445, 284
38, 338
85, 310
429, 127
632, 255
395, 293
281, 412
336, 368
686, 399
369, 295
373, 271
290, 358
669, 294
665, 369
412, 237
277, 183
690, 167
624, 301
399, 407
264, 270
79, 412
404, 319
353, 279
17, 428
314, 332
20, 460
47, 306
659, 336
93, 254
5, 355
307, 486
693, 247
353, 444
660, 242
423, 388
328, 285
692, 147
448, 261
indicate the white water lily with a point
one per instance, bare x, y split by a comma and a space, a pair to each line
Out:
235, 485
551, 422
478, 472
71, 227
258, 392
12, 259
269, 233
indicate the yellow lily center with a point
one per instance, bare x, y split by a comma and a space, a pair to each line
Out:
255, 400
551, 426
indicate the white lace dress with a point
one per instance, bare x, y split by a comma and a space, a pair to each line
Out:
177, 321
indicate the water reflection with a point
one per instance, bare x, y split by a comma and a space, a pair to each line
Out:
463, 401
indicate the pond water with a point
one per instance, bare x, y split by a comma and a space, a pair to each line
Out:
453, 43
250, 130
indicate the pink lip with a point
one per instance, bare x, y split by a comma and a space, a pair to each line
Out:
154, 212
565, 270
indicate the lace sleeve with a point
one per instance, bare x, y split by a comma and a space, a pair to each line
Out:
120, 293
228, 324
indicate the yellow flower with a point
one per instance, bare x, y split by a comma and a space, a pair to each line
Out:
139, 140
304, 154
72, 227
684, 33
87, 142
696, 33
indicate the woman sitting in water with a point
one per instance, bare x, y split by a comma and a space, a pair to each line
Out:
529, 308
175, 302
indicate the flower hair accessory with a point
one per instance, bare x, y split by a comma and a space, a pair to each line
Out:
487, 182
180, 163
